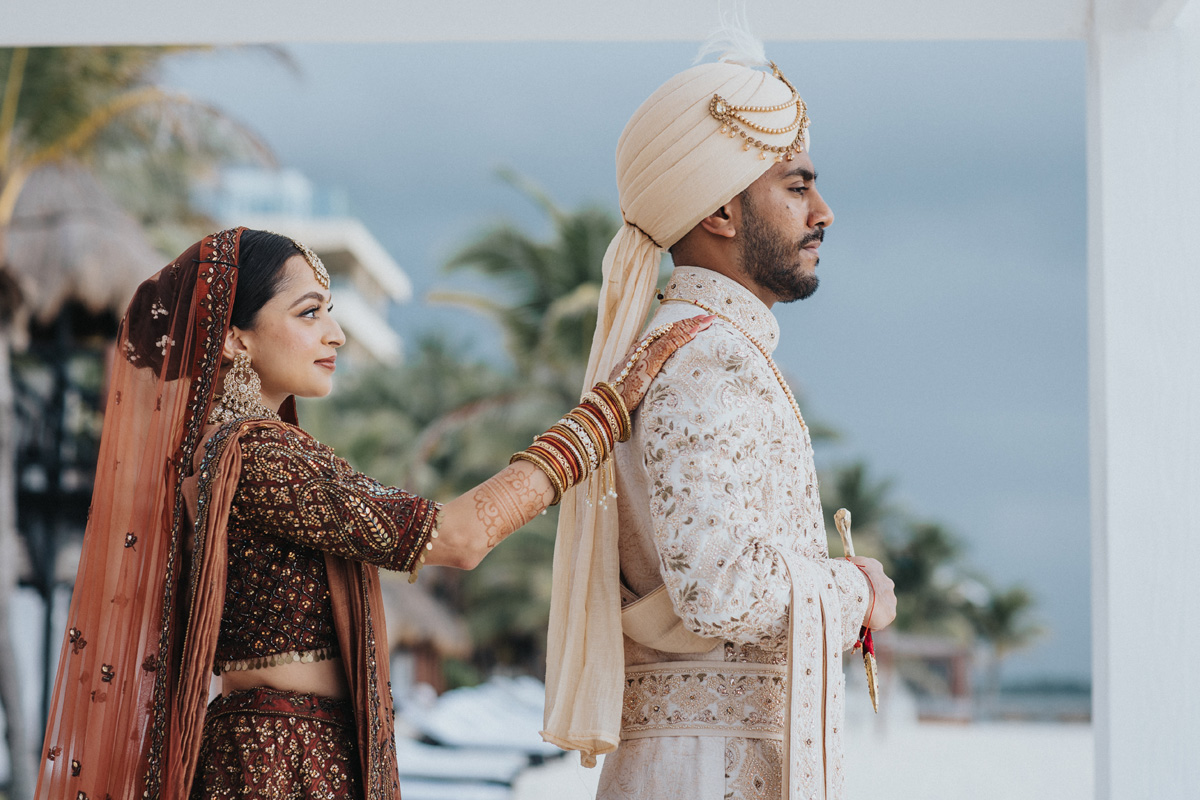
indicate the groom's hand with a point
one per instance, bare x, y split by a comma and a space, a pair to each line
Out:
881, 609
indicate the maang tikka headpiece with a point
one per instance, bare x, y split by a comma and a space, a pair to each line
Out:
314, 261
734, 122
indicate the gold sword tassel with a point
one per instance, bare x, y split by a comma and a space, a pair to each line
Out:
842, 520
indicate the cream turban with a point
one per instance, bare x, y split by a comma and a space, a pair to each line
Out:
677, 163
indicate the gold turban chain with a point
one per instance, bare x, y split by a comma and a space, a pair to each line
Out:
734, 122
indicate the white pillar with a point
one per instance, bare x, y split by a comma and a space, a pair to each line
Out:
1144, 334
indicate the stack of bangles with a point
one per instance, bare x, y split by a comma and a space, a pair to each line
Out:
580, 442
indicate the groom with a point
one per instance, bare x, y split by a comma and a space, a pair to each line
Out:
732, 616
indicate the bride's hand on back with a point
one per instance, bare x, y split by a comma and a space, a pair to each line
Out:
632, 375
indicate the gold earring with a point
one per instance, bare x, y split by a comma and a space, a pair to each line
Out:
241, 395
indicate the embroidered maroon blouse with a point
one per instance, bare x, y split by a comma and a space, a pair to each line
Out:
295, 501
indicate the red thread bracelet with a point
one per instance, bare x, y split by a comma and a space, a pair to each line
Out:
871, 610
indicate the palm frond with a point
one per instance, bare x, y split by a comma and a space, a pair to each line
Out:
533, 191
13, 78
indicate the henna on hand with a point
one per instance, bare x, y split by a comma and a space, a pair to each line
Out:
507, 501
647, 367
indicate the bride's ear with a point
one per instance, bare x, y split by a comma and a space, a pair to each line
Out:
232, 345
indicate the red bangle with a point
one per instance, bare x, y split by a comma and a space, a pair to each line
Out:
567, 449
552, 460
568, 458
605, 421
584, 415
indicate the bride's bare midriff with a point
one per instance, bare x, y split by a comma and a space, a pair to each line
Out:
325, 678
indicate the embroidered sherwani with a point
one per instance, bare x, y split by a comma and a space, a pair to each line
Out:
719, 505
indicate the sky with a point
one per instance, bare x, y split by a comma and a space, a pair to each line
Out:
947, 342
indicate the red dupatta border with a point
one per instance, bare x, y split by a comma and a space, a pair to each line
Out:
212, 300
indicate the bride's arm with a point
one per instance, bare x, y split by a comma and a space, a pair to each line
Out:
473, 523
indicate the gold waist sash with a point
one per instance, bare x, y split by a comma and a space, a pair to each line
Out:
705, 698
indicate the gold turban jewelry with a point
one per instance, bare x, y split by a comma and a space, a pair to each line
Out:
735, 121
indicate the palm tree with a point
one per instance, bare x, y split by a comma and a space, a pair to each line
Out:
1003, 622
548, 290
70, 117
925, 567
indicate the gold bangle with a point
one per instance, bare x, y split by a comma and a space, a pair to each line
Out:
594, 430
546, 469
606, 404
559, 479
555, 453
586, 416
581, 442
595, 417
594, 400
580, 435
607, 389
575, 457
551, 457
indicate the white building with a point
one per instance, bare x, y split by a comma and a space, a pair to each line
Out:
366, 281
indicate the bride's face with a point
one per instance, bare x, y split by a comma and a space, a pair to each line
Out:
293, 344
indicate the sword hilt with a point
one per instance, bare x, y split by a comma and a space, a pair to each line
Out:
842, 520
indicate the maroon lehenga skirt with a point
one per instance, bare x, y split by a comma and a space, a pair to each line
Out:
261, 744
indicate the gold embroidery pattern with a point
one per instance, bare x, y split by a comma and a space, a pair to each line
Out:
753, 769
733, 507
269, 743
214, 289
280, 467
277, 606
277, 592
685, 768
295, 487
382, 777
704, 699
290, 657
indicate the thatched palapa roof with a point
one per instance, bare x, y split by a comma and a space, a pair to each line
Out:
70, 240
415, 617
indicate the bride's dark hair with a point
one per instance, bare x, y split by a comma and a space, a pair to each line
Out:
260, 273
